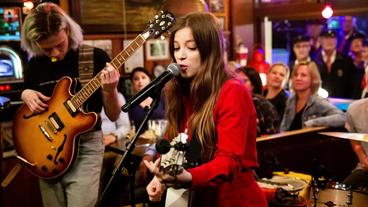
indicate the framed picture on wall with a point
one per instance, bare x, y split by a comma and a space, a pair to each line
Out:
157, 49
217, 6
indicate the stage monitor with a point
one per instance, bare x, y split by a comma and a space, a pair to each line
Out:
10, 23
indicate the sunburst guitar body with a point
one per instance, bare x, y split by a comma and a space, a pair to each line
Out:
47, 142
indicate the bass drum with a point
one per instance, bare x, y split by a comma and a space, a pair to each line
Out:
337, 194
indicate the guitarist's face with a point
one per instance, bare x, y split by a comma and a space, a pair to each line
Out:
55, 46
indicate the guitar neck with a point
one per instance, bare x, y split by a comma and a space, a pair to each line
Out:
79, 98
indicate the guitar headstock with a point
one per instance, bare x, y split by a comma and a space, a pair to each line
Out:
162, 21
173, 162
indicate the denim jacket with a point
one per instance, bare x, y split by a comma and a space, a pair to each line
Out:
317, 112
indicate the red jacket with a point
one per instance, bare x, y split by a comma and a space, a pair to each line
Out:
227, 180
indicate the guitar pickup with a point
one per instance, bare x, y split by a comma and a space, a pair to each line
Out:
71, 108
56, 122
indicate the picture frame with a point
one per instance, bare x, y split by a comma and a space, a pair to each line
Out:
217, 6
157, 49
104, 44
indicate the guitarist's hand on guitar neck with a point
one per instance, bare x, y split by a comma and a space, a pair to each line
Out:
109, 79
35, 100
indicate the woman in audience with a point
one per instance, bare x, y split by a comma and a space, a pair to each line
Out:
267, 121
140, 78
277, 77
115, 130
305, 108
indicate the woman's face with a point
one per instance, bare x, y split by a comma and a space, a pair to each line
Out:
55, 46
186, 53
302, 79
245, 80
276, 76
140, 80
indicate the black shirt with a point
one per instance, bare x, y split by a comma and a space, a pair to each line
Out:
279, 102
42, 75
297, 121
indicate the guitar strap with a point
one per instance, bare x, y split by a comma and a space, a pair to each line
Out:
85, 64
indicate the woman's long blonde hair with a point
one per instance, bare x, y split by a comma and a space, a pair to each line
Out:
205, 86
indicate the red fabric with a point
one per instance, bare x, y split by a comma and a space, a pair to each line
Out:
227, 180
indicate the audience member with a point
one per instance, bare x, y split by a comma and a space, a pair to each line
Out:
348, 30
277, 78
115, 130
301, 50
356, 122
356, 52
305, 108
314, 29
335, 68
267, 117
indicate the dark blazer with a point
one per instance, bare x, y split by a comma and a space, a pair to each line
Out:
339, 82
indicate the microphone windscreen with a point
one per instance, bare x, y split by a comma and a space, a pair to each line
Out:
163, 146
174, 68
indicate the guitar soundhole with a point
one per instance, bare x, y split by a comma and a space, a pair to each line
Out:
44, 168
49, 157
61, 160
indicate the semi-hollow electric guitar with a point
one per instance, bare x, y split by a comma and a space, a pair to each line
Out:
47, 142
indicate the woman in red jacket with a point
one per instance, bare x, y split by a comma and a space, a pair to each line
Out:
218, 114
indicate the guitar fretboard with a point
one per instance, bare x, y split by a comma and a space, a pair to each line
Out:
79, 98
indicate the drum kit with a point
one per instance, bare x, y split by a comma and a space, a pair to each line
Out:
314, 191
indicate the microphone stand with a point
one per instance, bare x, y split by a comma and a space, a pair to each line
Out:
125, 160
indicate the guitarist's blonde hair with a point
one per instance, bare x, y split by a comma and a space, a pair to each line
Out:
205, 86
45, 20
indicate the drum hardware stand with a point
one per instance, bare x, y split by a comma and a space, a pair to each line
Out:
125, 160
314, 191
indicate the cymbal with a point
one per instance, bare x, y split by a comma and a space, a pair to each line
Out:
345, 135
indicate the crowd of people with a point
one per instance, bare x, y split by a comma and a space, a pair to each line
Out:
222, 113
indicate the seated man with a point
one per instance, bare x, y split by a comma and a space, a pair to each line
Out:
356, 122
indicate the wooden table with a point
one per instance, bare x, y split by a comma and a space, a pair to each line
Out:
303, 150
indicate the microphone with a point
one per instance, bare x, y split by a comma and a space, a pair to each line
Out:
172, 70
163, 146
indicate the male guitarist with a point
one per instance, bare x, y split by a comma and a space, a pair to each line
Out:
53, 41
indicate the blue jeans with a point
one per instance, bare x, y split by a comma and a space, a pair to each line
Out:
79, 187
